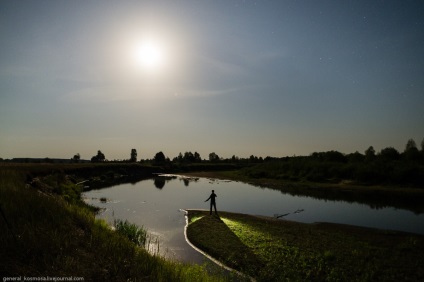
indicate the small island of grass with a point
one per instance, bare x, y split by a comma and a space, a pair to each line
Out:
268, 249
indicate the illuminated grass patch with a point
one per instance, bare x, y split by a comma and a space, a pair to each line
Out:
276, 250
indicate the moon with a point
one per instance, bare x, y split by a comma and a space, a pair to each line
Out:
149, 55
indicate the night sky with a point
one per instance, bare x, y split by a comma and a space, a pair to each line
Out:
265, 78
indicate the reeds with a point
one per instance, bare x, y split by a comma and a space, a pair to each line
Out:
136, 234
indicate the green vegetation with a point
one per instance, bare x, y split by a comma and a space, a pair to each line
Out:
47, 230
333, 167
136, 234
389, 167
276, 250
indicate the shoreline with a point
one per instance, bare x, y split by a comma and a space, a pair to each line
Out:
259, 246
211, 258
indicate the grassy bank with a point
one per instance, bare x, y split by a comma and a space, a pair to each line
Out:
47, 234
276, 250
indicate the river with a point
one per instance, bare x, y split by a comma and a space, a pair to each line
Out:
158, 203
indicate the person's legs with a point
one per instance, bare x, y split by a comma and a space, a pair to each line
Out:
210, 213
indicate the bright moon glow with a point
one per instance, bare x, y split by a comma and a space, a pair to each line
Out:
149, 55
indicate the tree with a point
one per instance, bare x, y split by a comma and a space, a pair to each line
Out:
422, 146
422, 149
255, 159
355, 157
330, 156
389, 154
213, 157
100, 157
197, 157
411, 151
76, 158
370, 153
159, 158
133, 155
188, 157
179, 158
410, 145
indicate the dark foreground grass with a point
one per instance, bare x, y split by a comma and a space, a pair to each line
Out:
276, 250
42, 234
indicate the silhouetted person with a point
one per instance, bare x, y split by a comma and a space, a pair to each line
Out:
213, 203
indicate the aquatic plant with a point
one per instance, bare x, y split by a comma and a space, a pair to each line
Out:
136, 234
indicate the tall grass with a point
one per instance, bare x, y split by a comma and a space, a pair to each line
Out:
136, 234
48, 235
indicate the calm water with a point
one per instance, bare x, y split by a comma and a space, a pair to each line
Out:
156, 204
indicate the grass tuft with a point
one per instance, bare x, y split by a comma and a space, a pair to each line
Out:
134, 233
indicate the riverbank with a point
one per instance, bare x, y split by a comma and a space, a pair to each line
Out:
278, 250
46, 230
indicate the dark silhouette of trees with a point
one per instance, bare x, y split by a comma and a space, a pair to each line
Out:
330, 156
411, 152
188, 157
355, 157
159, 158
387, 167
192, 158
159, 182
100, 157
410, 145
389, 154
179, 159
422, 149
76, 158
197, 157
370, 154
213, 158
255, 159
133, 155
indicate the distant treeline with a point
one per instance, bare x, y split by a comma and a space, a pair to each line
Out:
385, 167
389, 166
